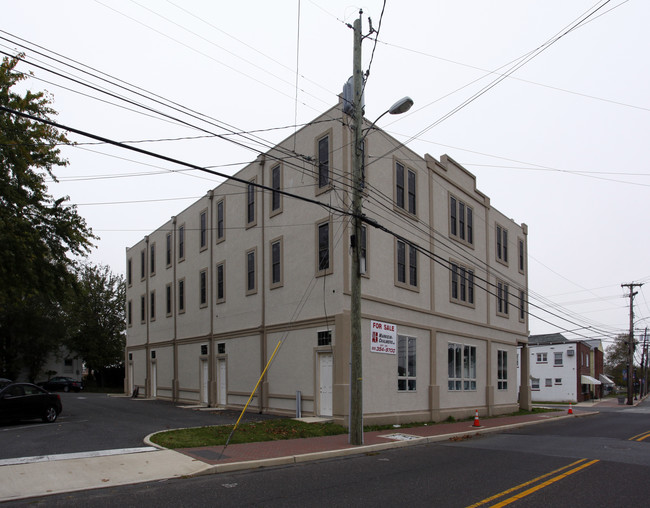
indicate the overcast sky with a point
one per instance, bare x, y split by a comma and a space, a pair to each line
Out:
557, 144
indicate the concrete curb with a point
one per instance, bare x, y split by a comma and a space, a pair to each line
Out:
364, 449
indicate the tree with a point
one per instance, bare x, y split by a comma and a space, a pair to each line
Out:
39, 236
616, 359
95, 318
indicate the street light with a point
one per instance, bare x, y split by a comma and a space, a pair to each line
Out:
401, 106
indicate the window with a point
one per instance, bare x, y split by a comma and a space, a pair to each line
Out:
203, 288
534, 383
221, 222
129, 313
276, 263
363, 261
462, 284
558, 362
250, 204
181, 296
203, 232
324, 249
542, 358
548, 382
407, 265
522, 305
168, 250
325, 338
502, 244
129, 272
522, 257
143, 309
461, 367
152, 305
251, 279
461, 221
152, 259
181, 243
221, 348
406, 362
558, 381
276, 185
324, 162
168, 300
405, 182
221, 282
502, 370
142, 263
502, 298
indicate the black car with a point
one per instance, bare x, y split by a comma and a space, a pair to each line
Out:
62, 383
23, 401
4, 382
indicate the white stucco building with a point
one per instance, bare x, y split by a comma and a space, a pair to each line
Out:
213, 290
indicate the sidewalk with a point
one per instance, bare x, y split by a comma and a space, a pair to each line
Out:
20, 481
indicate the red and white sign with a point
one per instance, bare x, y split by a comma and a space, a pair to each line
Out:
383, 338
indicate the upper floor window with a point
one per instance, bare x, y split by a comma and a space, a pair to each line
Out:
129, 271
407, 265
129, 313
181, 295
542, 357
203, 231
522, 255
251, 272
461, 220
221, 282
203, 288
143, 309
405, 185
324, 177
462, 284
276, 185
558, 361
152, 259
181, 243
143, 255
221, 220
522, 305
168, 249
324, 266
276, 263
168, 300
502, 244
250, 204
502, 298
152, 305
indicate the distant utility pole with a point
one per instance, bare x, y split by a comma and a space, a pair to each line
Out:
630, 343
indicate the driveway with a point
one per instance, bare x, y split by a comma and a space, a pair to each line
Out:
93, 421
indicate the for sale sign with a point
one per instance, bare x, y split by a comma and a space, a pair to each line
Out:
383, 338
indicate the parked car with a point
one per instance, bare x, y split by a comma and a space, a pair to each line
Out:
4, 382
23, 401
62, 383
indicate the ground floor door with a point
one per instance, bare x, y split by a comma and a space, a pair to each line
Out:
221, 369
204, 382
325, 362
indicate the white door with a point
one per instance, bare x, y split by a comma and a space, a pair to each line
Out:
325, 361
204, 382
154, 379
222, 382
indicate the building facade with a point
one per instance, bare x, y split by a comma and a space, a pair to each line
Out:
565, 371
264, 260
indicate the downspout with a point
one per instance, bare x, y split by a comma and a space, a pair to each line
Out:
212, 386
175, 390
264, 388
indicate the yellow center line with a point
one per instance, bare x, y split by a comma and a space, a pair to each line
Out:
521, 486
640, 437
542, 485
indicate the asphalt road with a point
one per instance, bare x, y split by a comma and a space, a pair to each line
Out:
93, 421
580, 462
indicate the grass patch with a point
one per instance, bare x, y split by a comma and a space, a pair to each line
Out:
267, 430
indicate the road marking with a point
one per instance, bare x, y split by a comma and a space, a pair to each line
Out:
640, 437
581, 464
79, 455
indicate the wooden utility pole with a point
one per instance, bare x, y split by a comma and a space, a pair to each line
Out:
630, 343
356, 373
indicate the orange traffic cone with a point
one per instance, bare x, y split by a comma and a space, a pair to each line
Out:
570, 410
476, 422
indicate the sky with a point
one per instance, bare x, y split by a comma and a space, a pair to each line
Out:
552, 121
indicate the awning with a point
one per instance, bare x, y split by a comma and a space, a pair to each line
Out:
588, 380
605, 380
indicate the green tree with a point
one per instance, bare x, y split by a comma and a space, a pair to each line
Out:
616, 359
39, 235
95, 320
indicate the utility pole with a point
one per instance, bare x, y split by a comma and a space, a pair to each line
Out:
630, 343
356, 373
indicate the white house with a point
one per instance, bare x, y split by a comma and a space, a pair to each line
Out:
216, 288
